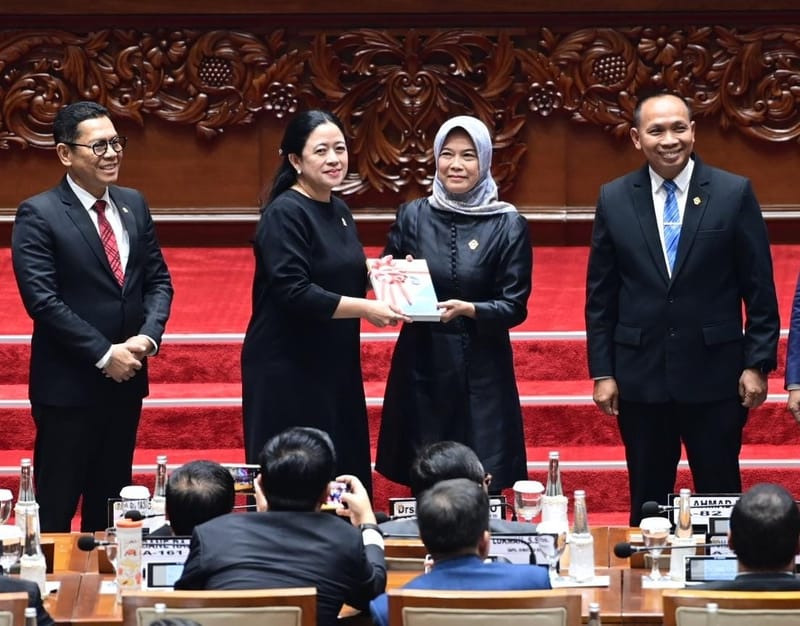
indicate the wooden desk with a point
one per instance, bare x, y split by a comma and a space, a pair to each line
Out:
60, 604
92, 607
67, 557
640, 606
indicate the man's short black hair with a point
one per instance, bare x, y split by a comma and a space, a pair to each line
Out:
441, 461
296, 467
644, 96
197, 492
452, 516
765, 526
65, 126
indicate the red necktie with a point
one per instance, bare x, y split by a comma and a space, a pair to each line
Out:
109, 241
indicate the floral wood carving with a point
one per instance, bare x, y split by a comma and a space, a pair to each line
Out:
393, 89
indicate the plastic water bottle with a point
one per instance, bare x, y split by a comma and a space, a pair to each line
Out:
581, 543
129, 555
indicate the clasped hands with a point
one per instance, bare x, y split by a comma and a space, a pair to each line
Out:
126, 358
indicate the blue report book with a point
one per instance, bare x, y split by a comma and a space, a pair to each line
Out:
406, 285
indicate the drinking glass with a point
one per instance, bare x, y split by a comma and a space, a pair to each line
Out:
10, 546
112, 548
528, 499
655, 532
6, 504
559, 531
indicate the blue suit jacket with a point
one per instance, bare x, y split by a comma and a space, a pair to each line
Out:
469, 573
793, 351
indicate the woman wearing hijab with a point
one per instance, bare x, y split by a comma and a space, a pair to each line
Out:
454, 379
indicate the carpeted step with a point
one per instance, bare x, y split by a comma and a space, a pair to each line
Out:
188, 420
537, 356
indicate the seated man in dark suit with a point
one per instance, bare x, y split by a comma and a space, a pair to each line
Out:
293, 543
453, 518
441, 461
765, 534
15, 585
196, 492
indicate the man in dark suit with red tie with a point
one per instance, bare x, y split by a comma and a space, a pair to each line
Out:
678, 250
92, 277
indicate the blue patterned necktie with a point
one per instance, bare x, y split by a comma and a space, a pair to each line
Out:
672, 223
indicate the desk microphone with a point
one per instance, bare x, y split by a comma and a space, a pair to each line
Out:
136, 515
624, 549
88, 543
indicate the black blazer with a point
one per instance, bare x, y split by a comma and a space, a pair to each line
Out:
680, 339
78, 308
286, 549
776, 581
14, 585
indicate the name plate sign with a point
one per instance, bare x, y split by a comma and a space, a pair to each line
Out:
523, 549
162, 561
704, 506
407, 507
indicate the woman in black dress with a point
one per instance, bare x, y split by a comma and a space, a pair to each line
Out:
455, 380
301, 361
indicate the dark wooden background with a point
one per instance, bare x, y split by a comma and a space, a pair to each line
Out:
202, 89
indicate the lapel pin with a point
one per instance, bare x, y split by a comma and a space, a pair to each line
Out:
125, 209
344, 222
473, 244
696, 200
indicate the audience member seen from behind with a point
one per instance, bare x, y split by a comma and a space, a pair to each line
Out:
441, 461
765, 534
16, 585
308, 294
479, 253
197, 492
92, 277
453, 520
293, 543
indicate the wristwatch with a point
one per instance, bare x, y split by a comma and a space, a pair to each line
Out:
369, 526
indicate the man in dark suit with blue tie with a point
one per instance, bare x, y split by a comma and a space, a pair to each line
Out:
92, 277
678, 250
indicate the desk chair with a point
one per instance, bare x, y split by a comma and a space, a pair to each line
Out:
687, 607
12, 608
416, 607
276, 607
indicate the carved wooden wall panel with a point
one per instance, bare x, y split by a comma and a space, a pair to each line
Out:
393, 88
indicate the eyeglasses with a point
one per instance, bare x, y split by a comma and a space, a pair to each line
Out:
101, 147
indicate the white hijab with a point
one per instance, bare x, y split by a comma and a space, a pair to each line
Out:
482, 198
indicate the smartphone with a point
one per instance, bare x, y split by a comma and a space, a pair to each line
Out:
244, 477
335, 491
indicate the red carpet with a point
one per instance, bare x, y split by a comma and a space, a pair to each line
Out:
194, 409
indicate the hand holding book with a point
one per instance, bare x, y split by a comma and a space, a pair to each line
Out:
406, 285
